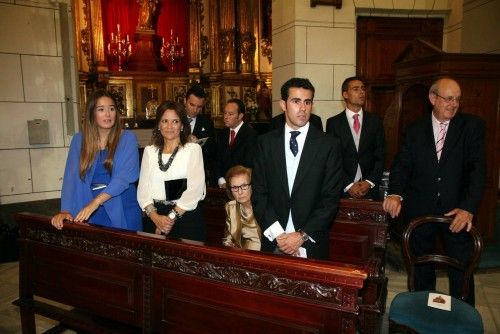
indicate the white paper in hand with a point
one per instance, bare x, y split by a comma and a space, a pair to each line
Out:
440, 301
273, 231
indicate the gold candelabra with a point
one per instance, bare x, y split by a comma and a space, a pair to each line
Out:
171, 52
119, 48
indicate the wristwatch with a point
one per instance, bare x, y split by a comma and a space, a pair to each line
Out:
304, 236
172, 215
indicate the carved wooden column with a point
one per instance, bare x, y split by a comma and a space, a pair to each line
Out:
195, 7
99, 56
227, 35
213, 31
247, 38
144, 57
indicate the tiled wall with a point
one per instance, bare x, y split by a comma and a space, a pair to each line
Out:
320, 43
31, 87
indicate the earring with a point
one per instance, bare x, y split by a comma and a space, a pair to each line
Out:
182, 129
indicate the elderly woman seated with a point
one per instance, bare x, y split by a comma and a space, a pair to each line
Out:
241, 229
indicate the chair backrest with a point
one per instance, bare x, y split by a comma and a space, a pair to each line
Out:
412, 260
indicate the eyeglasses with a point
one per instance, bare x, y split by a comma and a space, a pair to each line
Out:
235, 189
449, 99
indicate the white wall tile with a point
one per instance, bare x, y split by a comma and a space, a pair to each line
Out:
29, 197
280, 76
318, 14
283, 13
14, 126
326, 109
482, 21
15, 173
27, 30
284, 48
321, 77
43, 78
300, 45
11, 84
347, 14
48, 168
362, 3
331, 46
386, 4
340, 73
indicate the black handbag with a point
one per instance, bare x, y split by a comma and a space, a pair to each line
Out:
174, 189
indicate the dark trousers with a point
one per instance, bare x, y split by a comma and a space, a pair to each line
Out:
457, 245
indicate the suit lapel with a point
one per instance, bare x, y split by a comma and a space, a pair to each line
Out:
430, 144
346, 132
452, 135
307, 159
239, 137
278, 156
365, 130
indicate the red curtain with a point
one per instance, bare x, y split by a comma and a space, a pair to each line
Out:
170, 14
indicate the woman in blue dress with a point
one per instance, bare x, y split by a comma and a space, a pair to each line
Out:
101, 171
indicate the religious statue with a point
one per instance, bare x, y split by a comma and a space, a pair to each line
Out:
146, 12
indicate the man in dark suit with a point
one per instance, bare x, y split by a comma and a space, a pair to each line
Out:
297, 177
202, 126
236, 142
440, 169
361, 135
278, 121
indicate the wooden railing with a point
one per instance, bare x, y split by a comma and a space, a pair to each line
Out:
121, 281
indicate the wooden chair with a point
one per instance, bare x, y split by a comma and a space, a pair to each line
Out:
409, 312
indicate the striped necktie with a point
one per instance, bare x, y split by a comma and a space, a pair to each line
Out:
440, 140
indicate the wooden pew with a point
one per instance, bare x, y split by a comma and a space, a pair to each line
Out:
120, 281
358, 235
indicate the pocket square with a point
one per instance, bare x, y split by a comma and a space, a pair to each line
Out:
202, 129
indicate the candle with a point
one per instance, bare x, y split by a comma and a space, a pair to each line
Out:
118, 26
112, 37
127, 38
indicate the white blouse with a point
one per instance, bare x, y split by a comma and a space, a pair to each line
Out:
187, 164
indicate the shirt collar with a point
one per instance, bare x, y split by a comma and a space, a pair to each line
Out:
303, 129
350, 113
236, 129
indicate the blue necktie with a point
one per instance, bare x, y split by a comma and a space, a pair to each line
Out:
294, 147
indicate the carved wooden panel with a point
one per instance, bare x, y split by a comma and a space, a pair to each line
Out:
167, 285
380, 41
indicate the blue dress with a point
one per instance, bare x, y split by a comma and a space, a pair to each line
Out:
128, 197
121, 210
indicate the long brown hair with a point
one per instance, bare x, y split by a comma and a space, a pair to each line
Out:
179, 109
90, 133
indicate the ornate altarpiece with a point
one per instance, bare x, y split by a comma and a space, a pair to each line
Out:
223, 44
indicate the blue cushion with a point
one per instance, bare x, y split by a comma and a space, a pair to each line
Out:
410, 309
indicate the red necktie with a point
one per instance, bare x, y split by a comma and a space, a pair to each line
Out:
232, 134
356, 126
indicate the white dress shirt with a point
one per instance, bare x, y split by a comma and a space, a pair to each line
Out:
188, 163
292, 163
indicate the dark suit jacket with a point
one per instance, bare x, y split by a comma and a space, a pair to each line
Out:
371, 153
278, 121
456, 181
241, 153
315, 195
204, 127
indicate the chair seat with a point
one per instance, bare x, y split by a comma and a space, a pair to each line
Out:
410, 309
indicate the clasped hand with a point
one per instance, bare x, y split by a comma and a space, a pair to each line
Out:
289, 243
163, 223
359, 189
